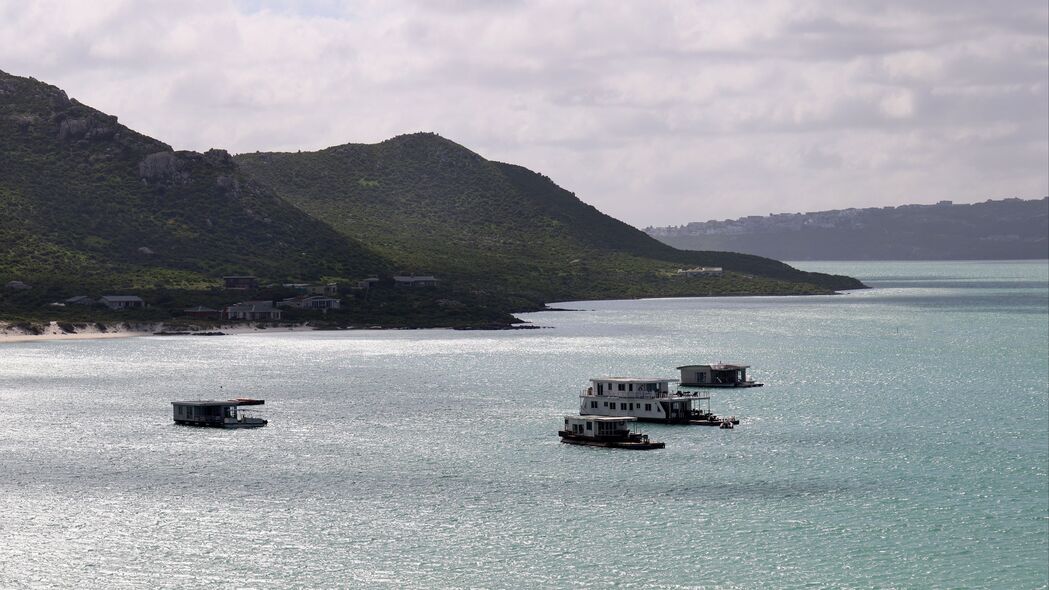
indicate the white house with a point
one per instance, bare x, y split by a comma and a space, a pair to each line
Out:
253, 310
311, 302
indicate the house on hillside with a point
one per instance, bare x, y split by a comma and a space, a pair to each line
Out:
700, 271
365, 284
121, 302
414, 281
328, 290
253, 310
241, 282
204, 313
311, 302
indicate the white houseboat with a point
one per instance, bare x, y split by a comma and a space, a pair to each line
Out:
648, 400
716, 375
217, 414
604, 431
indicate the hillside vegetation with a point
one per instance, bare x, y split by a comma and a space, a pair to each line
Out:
430, 205
88, 201
90, 207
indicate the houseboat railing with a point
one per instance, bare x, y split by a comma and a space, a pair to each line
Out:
588, 392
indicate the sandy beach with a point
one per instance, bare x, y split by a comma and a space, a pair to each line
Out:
11, 333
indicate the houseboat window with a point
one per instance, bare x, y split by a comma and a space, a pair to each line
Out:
631, 387
589, 425
701, 377
606, 404
593, 404
622, 406
631, 406
648, 407
622, 387
600, 389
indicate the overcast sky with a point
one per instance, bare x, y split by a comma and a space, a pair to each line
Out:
658, 113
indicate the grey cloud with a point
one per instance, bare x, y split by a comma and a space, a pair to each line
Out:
655, 112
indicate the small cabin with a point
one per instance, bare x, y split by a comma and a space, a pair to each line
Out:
599, 426
718, 375
122, 301
218, 414
415, 281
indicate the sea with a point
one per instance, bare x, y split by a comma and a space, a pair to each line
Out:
901, 440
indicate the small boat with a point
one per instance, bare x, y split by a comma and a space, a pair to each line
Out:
605, 431
217, 413
706, 418
726, 424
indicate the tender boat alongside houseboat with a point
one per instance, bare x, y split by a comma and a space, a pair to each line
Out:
217, 413
648, 400
604, 431
716, 375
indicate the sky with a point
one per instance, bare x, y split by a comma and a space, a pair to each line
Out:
656, 112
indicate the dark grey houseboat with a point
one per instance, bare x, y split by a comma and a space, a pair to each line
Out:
716, 375
605, 431
217, 414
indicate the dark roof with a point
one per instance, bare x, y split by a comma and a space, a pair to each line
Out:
716, 366
212, 402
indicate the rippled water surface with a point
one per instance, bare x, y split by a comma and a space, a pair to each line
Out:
902, 440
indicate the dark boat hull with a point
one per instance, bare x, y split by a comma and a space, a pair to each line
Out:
231, 425
722, 385
637, 445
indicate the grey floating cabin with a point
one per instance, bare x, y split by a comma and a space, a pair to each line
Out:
606, 431
217, 413
716, 375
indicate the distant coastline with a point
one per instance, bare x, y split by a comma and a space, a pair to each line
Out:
1006, 229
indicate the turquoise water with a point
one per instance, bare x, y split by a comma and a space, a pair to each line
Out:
901, 441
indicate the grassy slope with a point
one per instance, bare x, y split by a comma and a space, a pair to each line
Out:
82, 194
431, 205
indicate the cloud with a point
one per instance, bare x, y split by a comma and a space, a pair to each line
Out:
656, 113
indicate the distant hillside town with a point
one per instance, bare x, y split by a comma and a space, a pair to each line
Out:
992, 230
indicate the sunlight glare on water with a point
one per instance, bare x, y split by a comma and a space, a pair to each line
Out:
900, 441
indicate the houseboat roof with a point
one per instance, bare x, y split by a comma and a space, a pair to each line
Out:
604, 418
716, 366
226, 402
635, 379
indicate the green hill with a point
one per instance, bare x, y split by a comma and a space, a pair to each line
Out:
431, 205
90, 206
89, 201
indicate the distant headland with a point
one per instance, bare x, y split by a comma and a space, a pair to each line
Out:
1003, 229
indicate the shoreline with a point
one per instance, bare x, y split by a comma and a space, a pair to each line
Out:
11, 334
